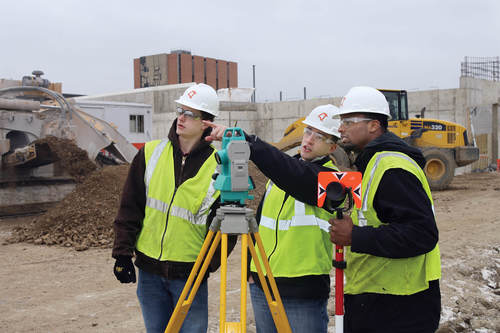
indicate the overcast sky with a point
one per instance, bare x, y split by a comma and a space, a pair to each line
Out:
326, 46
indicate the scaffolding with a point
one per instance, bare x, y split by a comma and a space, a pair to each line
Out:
487, 68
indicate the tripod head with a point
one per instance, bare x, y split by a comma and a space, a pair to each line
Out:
232, 179
334, 187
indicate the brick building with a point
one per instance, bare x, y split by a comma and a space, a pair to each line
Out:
180, 66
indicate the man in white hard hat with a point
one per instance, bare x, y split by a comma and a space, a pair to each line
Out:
393, 261
167, 204
295, 235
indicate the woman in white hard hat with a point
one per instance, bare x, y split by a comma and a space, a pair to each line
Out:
167, 205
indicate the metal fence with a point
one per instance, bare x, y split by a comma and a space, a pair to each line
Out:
487, 68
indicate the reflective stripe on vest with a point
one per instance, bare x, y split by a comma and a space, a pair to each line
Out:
295, 235
299, 219
403, 276
174, 226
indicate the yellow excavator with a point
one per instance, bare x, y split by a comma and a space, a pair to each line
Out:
444, 144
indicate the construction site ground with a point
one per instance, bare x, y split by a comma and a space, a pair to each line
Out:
69, 286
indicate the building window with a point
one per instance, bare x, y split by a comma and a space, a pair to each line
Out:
136, 123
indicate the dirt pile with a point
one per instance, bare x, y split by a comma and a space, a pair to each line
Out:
71, 159
84, 218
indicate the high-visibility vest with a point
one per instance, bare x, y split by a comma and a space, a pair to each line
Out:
295, 235
366, 273
174, 223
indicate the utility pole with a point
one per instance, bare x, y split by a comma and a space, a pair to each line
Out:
305, 96
494, 133
281, 96
253, 96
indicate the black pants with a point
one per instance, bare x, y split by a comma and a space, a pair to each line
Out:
373, 313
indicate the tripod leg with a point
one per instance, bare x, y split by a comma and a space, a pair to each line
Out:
243, 288
275, 306
223, 280
233, 327
183, 304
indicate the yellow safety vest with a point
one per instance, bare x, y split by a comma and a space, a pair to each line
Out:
174, 223
371, 274
295, 235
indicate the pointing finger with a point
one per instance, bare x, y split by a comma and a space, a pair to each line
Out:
209, 123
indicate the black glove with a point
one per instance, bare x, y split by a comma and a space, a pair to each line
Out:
124, 269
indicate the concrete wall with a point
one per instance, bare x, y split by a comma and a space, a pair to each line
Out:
273, 118
32, 193
269, 120
442, 104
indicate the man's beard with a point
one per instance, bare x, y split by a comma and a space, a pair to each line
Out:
348, 147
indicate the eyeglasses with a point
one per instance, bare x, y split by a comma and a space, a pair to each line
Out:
316, 136
353, 120
187, 113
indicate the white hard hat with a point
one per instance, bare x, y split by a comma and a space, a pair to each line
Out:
321, 118
364, 100
201, 97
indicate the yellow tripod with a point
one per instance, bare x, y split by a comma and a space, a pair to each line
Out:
231, 219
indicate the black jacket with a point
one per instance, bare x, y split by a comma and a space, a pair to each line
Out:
128, 222
400, 201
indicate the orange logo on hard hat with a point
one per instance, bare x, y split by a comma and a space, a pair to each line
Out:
191, 93
322, 116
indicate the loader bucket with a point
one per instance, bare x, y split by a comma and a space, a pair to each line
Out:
94, 135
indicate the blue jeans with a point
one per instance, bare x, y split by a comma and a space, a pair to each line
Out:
304, 315
158, 297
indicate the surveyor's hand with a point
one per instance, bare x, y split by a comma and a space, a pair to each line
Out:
341, 231
217, 131
124, 269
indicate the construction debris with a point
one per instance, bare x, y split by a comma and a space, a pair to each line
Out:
72, 159
82, 219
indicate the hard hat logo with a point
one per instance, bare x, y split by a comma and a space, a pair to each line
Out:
322, 116
191, 93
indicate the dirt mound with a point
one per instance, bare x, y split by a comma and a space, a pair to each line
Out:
72, 159
84, 218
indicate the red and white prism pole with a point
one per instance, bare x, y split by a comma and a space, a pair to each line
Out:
340, 265
350, 182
